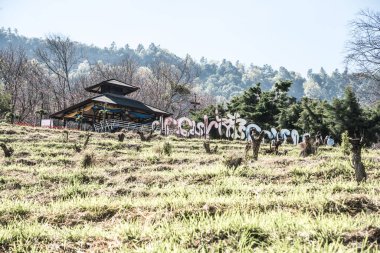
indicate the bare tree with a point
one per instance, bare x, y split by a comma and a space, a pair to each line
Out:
33, 93
124, 71
168, 86
363, 50
60, 55
13, 66
23, 81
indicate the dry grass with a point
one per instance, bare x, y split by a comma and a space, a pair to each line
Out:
137, 200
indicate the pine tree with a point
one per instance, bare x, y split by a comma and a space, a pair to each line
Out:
262, 107
312, 116
345, 115
289, 116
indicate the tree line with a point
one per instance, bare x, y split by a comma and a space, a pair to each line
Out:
48, 75
275, 108
56, 76
222, 80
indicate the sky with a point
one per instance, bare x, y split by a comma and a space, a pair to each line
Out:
296, 34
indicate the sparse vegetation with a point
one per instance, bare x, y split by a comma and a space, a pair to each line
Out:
208, 149
232, 161
87, 139
147, 137
129, 201
77, 147
164, 148
167, 148
87, 160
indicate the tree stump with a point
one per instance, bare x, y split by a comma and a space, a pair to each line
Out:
318, 140
206, 145
232, 162
256, 142
77, 148
8, 152
356, 150
277, 145
306, 147
65, 136
121, 137
247, 148
88, 135
146, 138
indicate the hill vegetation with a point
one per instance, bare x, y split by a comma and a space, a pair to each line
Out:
219, 80
131, 196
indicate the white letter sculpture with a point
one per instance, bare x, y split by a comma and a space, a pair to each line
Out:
234, 127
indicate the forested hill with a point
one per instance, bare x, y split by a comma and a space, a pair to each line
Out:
220, 79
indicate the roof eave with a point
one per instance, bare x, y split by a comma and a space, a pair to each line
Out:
129, 87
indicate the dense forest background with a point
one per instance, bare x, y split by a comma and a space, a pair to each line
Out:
222, 80
42, 76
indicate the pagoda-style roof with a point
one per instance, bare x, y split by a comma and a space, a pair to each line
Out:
112, 86
130, 103
112, 99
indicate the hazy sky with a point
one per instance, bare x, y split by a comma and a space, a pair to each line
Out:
296, 34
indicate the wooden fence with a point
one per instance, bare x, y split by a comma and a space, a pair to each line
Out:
113, 125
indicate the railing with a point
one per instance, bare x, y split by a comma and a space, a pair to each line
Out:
113, 124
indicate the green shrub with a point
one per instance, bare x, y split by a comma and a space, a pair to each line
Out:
153, 159
167, 148
164, 148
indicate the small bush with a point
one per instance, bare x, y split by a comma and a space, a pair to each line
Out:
167, 148
173, 138
232, 161
164, 148
72, 191
153, 159
87, 160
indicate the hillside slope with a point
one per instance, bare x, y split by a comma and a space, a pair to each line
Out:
221, 79
134, 199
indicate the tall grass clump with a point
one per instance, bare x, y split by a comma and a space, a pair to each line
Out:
167, 148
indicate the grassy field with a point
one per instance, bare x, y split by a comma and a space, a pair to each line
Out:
133, 198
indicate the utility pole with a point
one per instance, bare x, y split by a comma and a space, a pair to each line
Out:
195, 103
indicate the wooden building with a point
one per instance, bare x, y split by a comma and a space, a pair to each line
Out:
111, 108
